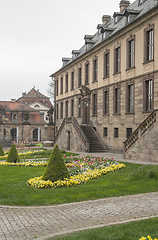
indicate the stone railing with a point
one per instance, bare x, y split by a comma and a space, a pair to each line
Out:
77, 128
143, 127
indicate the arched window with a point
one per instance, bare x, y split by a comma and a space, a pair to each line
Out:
13, 133
36, 106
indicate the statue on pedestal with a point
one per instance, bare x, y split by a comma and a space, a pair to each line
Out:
50, 115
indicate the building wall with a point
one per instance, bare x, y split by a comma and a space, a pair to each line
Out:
25, 132
146, 148
75, 142
137, 76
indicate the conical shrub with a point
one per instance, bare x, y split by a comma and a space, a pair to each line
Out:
56, 168
13, 154
1, 151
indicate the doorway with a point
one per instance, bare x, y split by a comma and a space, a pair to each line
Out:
13, 134
68, 140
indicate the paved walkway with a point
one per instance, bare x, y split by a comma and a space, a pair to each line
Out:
26, 223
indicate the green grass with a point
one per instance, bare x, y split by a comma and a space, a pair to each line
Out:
130, 231
14, 191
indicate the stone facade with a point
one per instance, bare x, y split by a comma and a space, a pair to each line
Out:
146, 148
22, 123
124, 88
70, 140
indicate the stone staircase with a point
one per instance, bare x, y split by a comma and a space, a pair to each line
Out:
143, 142
95, 145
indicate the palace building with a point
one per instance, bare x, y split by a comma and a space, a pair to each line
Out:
27, 119
106, 93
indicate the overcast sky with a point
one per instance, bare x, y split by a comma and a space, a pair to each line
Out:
36, 34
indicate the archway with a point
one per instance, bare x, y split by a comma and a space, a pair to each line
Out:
35, 135
13, 134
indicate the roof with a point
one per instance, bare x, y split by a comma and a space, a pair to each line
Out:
15, 106
8, 106
138, 10
36, 118
34, 95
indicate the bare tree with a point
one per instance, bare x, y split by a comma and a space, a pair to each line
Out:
50, 90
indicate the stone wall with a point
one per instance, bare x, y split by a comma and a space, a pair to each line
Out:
69, 133
146, 148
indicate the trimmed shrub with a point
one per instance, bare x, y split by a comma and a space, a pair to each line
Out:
13, 154
1, 151
56, 168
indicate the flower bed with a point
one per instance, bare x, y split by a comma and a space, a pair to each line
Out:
74, 180
25, 164
23, 152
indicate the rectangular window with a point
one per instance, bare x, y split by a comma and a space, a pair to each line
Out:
130, 52
95, 70
116, 132
105, 131
72, 80
57, 87
80, 77
72, 108
79, 107
57, 110
61, 85
87, 74
149, 43
66, 109
66, 83
106, 103
61, 110
106, 65
128, 132
149, 97
116, 100
94, 104
130, 99
117, 60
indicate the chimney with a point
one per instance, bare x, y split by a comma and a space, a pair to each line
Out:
105, 18
13, 100
124, 4
23, 94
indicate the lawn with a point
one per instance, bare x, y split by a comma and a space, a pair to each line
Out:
14, 191
130, 231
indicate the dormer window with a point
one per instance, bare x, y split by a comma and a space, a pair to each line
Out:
14, 116
130, 14
106, 31
128, 18
75, 53
99, 31
36, 106
65, 61
116, 19
117, 16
